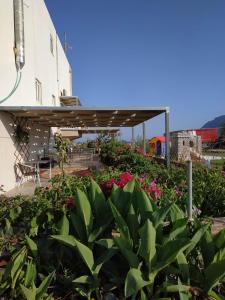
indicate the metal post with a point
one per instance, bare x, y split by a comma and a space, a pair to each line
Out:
133, 139
144, 137
190, 190
167, 133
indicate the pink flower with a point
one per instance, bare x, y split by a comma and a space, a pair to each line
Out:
153, 190
179, 192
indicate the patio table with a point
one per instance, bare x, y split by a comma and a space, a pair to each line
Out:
37, 165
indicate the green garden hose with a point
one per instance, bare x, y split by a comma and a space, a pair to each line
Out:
18, 79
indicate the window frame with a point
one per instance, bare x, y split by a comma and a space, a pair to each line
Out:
38, 90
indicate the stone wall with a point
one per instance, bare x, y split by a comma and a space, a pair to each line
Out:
185, 145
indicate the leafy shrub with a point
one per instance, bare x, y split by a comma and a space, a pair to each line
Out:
125, 245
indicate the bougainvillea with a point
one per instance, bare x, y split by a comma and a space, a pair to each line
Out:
151, 188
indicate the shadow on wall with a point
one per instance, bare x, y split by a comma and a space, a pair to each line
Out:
20, 141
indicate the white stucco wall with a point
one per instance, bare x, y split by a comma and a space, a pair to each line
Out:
52, 70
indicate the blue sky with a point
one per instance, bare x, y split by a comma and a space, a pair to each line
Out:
147, 53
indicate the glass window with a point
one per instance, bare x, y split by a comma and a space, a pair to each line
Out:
53, 100
38, 88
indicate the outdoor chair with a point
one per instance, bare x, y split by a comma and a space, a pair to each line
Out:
28, 171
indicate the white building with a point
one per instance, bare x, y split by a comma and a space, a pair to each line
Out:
45, 76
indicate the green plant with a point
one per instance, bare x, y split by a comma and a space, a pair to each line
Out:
61, 145
21, 134
126, 245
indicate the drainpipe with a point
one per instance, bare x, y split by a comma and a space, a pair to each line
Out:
19, 33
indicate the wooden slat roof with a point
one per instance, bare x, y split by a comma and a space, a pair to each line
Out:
79, 116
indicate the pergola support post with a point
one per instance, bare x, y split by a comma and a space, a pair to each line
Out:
167, 133
144, 137
132, 138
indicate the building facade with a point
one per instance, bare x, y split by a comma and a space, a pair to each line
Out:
34, 71
185, 145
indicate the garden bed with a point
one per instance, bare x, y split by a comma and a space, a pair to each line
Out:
120, 233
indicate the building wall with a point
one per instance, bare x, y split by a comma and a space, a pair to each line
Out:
12, 152
51, 69
185, 145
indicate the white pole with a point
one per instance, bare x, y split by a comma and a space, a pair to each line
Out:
190, 190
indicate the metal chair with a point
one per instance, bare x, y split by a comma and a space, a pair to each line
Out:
28, 171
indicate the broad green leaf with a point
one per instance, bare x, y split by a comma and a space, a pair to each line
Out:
170, 288
176, 213
84, 280
215, 296
103, 259
142, 204
169, 252
183, 294
3, 287
196, 238
122, 198
127, 251
134, 282
79, 227
220, 255
68, 240
42, 289
219, 239
160, 214
15, 212
178, 230
99, 230
133, 224
123, 228
107, 243
148, 243
98, 202
30, 294
63, 225
31, 274
83, 209
143, 295
116, 197
213, 274
207, 248
86, 255
32, 245
14, 268
183, 267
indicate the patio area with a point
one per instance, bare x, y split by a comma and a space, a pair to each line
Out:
77, 162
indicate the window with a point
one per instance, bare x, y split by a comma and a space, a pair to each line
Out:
38, 88
53, 100
191, 143
51, 44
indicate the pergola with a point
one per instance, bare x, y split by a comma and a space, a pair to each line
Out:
79, 116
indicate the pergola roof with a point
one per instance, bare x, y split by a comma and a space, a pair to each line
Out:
87, 130
79, 116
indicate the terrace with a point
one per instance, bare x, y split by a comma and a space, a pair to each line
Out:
74, 121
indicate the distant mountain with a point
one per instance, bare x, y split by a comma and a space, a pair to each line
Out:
217, 122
